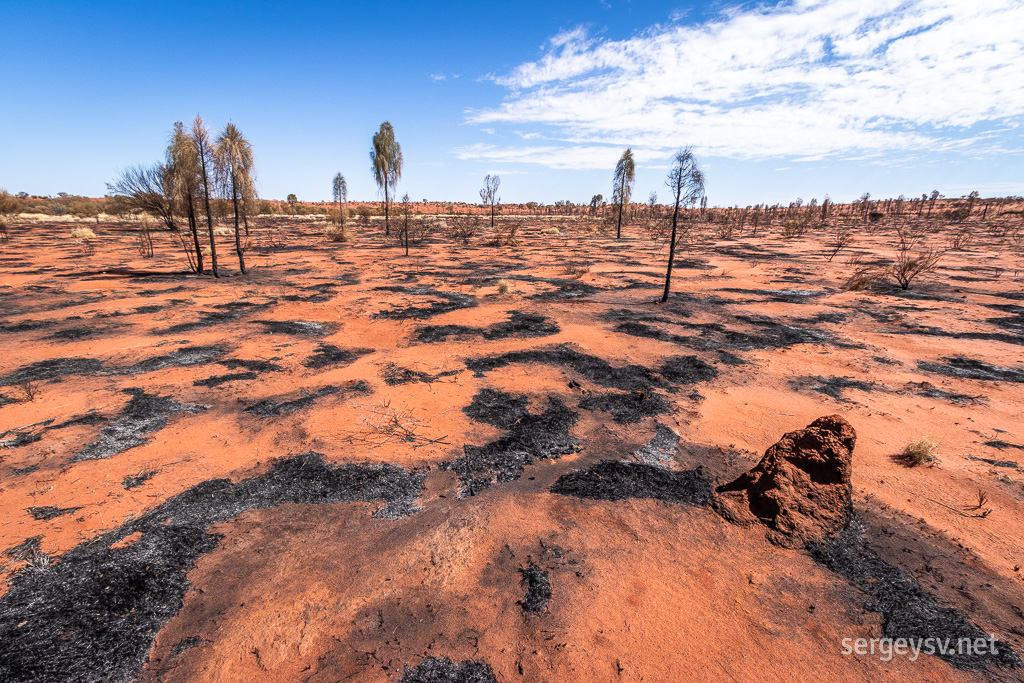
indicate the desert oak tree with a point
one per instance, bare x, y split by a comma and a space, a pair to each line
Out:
235, 169
489, 193
204, 153
686, 182
184, 164
622, 186
339, 191
386, 164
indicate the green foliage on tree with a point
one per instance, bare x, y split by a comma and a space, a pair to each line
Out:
386, 164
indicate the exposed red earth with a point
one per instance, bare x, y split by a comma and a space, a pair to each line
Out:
522, 479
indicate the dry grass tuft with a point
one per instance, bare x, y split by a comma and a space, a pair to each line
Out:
335, 233
550, 231
919, 452
575, 268
82, 233
863, 278
505, 286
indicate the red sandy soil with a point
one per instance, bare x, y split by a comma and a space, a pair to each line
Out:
641, 589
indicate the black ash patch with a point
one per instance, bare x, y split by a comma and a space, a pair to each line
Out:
448, 301
618, 480
53, 368
82, 332
226, 313
929, 390
645, 331
1003, 445
48, 512
25, 550
444, 670
259, 366
832, 317
218, 380
395, 375
145, 413
328, 355
566, 289
730, 359
627, 407
907, 610
25, 436
271, 408
295, 327
790, 296
592, 368
969, 368
520, 325
538, 588
20, 438
716, 337
833, 386
25, 326
94, 614
687, 370
138, 479
184, 357
497, 408
528, 437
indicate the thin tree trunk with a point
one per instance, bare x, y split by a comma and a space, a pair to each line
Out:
618, 230
671, 254
195, 234
387, 213
238, 240
209, 221
188, 254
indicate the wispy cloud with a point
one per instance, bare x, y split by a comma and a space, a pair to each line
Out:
806, 79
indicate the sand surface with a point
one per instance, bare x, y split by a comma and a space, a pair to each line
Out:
342, 349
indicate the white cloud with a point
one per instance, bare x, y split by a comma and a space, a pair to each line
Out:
553, 156
438, 76
803, 79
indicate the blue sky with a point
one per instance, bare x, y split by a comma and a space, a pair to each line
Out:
801, 98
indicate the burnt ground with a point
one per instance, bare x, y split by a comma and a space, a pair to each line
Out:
94, 614
446, 302
272, 408
444, 670
597, 481
908, 611
538, 588
52, 368
971, 368
328, 355
591, 368
145, 413
617, 480
396, 376
519, 324
179, 358
627, 407
836, 387
528, 436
